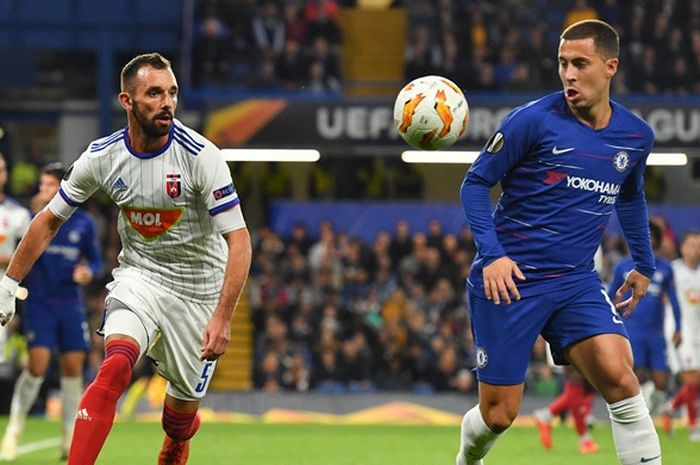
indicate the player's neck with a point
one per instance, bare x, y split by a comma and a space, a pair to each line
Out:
143, 143
689, 264
597, 117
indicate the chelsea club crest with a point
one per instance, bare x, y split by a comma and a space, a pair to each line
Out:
621, 161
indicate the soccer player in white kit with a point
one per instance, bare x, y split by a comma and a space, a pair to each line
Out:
14, 221
185, 258
686, 358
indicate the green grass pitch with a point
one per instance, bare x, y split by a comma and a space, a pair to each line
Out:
137, 443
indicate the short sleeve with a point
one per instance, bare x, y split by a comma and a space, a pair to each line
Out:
218, 191
513, 140
77, 186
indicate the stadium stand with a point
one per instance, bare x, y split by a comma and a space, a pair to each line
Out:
330, 310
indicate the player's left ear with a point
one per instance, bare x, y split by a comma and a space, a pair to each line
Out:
611, 67
125, 100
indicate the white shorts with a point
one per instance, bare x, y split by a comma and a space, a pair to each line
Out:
688, 355
168, 328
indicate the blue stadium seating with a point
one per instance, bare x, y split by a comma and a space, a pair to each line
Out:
104, 11
52, 11
154, 12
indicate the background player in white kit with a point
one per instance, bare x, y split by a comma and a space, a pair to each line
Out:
186, 254
14, 221
686, 358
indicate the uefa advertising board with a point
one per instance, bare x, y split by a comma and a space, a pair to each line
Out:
366, 126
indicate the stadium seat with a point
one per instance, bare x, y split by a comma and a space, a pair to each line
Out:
49, 38
158, 41
7, 9
148, 11
104, 11
53, 11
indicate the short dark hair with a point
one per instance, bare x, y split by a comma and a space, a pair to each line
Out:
605, 37
688, 234
656, 234
154, 60
55, 169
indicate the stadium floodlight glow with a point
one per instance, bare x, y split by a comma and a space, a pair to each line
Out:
271, 155
667, 159
440, 156
466, 157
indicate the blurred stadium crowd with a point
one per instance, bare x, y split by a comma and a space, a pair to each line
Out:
335, 314
495, 45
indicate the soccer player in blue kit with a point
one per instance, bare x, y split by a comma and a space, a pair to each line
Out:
645, 326
54, 317
565, 163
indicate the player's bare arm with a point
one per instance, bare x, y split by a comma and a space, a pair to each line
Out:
217, 334
638, 283
498, 280
41, 231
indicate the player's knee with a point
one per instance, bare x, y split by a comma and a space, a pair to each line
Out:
499, 418
37, 372
179, 426
622, 386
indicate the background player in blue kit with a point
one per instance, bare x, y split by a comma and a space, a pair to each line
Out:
645, 326
54, 316
565, 162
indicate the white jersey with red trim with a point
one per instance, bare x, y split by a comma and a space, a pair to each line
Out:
175, 204
688, 291
14, 221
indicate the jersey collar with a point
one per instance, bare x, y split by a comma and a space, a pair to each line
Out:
142, 155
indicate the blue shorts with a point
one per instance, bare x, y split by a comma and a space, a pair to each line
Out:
505, 334
649, 349
56, 324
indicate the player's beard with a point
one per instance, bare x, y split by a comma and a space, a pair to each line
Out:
149, 126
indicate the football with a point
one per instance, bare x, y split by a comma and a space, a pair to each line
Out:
431, 113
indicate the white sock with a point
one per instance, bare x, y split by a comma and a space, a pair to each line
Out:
657, 399
26, 391
476, 438
544, 414
635, 438
71, 390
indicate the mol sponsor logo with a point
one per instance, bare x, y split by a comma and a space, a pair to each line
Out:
150, 222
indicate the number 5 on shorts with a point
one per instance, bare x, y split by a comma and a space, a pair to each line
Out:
205, 378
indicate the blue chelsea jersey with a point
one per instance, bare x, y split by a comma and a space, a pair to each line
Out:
651, 310
51, 276
561, 182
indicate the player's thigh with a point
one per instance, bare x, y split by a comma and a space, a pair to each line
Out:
73, 330
582, 311
131, 309
499, 404
178, 348
504, 336
605, 360
40, 325
689, 355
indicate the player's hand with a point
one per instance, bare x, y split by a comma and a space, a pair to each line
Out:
498, 280
638, 283
216, 337
8, 293
82, 274
677, 338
